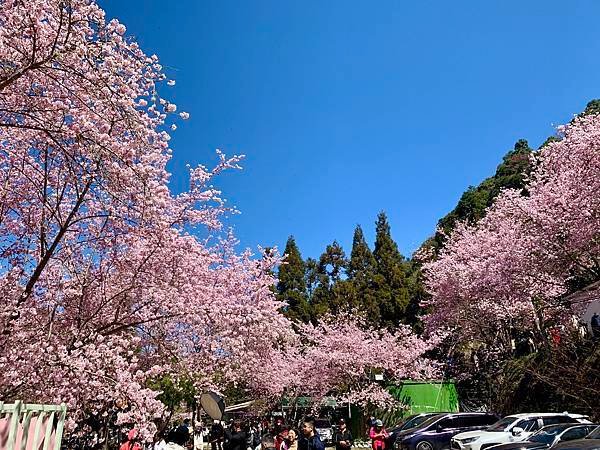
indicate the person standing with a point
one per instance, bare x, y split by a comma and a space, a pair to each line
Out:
343, 437
177, 438
378, 436
267, 442
199, 438
292, 440
132, 442
160, 442
595, 325
310, 439
237, 438
216, 436
280, 439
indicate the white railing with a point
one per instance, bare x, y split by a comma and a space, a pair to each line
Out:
24, 426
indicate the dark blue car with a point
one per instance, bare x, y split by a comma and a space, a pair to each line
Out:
435, 433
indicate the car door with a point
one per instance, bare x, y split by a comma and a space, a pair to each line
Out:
445, 429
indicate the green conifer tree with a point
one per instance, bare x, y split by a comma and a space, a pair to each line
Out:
390, 279
331, 293
291, 287
361, 272
311, 277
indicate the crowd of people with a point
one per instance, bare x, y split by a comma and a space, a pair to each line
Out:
254, 435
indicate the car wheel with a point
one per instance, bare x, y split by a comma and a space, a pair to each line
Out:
424, 445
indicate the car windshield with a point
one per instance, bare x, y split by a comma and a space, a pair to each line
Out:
501, 424
547, 435
594, 434
414, 421
429, 420
322, 423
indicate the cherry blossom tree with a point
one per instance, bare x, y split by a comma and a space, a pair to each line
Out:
108, 280
513, 268
340, 355
105, 284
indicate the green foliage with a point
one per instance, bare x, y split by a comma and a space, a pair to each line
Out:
382, 285
390, 279
331, 293
311, 276
174, 391
291, 287
333, 262
593, 107
362, 270
362, 262
472, 206
416, 294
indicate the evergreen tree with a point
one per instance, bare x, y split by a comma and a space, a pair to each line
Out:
416, 294
593, 107
311, 277
291, 287
390, 279
471, 207
361, 272
362, 262
333, 262
331, 294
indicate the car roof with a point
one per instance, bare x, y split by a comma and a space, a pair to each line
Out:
564, 426
441, 416
523, 415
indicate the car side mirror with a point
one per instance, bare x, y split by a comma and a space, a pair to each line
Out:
516, 431
439, 428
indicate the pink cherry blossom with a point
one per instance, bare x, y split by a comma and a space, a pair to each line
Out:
513, 268
109, 280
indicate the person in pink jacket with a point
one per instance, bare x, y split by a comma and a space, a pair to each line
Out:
132, 442
378, 435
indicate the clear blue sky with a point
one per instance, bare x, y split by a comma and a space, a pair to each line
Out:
347, 108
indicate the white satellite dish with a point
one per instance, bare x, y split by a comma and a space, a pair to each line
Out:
213, 405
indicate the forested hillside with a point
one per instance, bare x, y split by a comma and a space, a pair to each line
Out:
389, 289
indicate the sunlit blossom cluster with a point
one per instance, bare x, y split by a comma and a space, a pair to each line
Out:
513, 268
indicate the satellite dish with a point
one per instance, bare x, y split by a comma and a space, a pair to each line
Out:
213, 404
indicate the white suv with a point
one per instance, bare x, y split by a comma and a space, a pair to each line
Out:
517, 427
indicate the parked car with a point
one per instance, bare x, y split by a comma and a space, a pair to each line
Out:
590, 442
408, 422
324, 430
549, 436
414, 420
435, 432
515, 428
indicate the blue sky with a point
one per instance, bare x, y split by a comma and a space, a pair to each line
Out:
348, 108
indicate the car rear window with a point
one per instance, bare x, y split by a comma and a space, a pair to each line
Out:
476, 421
594, 434
574, 433
553, 420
